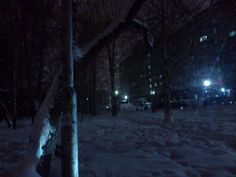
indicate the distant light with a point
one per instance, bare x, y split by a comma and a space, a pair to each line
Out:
126, 97
232, 33
181, 107
222, 90
152, 92
87, 99
107, 107
203, 38
116, 92
206, 83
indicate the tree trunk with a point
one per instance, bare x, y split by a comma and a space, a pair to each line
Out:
111, 60
14, 95
94, 88
70, 98
167, 92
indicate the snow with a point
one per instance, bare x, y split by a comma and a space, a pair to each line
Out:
32, 139
42, 127
201, 143
147, 33
138, 145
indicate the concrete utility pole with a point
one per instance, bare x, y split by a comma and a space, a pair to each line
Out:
70, 159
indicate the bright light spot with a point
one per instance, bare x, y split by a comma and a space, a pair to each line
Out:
203, 38
206, 83
126, 97
152, 92
181, 107
222, 89
232, 33
107, 107
116, 92
87, 99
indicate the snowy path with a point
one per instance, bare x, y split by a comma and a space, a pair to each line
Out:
202, 143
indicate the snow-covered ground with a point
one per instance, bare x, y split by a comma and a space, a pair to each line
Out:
201, 143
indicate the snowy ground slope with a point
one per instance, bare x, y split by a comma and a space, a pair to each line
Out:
202, 143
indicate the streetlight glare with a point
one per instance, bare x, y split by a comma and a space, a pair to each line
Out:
126, 97
152, 92
222, 89
116, 92
206, 83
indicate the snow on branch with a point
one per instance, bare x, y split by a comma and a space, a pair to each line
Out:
42, 127
146, 32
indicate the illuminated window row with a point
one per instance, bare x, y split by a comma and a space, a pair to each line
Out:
205, 37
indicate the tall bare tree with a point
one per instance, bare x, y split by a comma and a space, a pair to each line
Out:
166, 18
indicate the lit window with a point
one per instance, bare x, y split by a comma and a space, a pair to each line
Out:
203, 38
150, 85
232, 33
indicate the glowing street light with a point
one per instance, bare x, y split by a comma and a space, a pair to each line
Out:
116, 92
152, 92
222, 90
206, 83
126, 97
